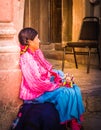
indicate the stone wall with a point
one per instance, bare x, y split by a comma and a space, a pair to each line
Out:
92, 115
10, 75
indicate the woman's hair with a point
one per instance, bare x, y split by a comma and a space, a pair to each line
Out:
26, 34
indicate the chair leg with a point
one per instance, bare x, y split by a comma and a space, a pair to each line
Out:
63, 59
100, 62
88, 63
99, 57
75, 58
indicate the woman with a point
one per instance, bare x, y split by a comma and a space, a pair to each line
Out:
40, 83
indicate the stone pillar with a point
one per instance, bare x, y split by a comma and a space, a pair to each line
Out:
45, 20
78, 14
10, 75
64, 22
37, 15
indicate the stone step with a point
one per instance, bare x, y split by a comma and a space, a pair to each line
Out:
55, 51
81, 59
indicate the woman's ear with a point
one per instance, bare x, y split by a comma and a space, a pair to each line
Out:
29, 41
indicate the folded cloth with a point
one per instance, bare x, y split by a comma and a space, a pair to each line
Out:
42, 116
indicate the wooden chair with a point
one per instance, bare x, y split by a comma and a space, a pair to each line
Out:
88, 38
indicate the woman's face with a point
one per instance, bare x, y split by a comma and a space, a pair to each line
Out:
34, 44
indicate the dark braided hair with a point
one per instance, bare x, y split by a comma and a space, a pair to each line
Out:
26, 34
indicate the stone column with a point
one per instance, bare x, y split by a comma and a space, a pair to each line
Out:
78, 14
64, 22
10, 75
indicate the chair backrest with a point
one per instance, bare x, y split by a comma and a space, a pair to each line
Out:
89, 29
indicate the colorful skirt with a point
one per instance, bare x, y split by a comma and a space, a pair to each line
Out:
68, 102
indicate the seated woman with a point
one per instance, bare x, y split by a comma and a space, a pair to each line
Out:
41, 83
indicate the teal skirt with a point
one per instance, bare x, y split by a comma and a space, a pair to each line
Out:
68, 102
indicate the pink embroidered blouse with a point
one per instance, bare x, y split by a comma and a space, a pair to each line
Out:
36, 73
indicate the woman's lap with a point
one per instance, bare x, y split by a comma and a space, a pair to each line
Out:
68, 102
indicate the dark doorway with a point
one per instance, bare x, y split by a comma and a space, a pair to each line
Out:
46, 16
